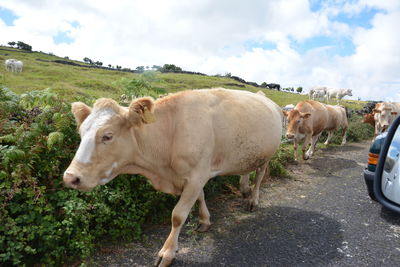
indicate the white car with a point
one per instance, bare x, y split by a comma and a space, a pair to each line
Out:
386, 178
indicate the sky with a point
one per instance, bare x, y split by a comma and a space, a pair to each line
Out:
336, 43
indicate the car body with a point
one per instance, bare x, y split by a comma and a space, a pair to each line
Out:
373, 157
382, 175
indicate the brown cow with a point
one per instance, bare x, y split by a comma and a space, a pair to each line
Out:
178, 142
337, 119
369, 118
306, 121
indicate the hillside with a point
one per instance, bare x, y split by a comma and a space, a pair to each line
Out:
41, 72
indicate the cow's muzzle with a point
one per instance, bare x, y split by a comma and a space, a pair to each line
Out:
289, 136
71, 180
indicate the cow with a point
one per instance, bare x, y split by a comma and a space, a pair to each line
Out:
385, 113
338, 93
274, 86
317, 92
337, 119
18, 66
369, 118
178, 142
306, 121
9, 64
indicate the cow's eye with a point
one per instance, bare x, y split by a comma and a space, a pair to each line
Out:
298, 121
106, 138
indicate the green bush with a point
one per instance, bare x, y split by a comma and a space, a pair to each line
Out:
42, 222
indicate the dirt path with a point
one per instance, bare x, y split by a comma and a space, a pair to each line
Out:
322, 216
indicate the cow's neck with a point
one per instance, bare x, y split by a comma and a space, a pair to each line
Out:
151, 143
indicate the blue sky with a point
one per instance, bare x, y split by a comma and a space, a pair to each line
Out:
7, 16
336, 43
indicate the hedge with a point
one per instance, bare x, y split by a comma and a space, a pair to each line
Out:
41, 221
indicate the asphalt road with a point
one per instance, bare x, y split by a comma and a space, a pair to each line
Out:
322, 216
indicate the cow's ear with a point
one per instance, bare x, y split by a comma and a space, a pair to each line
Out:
306, 115
393, 113
141, 111
81, 111
285, 113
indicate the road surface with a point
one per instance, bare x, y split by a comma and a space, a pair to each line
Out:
321, 216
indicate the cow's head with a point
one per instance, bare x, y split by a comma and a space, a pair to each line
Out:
106, 142
384, 115
296, 119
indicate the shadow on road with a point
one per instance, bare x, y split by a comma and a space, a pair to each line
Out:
328, 165
277, 236
390, 216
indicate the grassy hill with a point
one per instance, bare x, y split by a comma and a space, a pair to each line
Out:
41, 72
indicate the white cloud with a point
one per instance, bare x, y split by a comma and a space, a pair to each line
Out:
211, 36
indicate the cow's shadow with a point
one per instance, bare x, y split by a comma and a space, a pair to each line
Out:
277, 236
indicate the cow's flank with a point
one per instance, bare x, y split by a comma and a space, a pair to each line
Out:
178, 142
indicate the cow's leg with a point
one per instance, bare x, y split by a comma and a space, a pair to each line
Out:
295, 144
244, 185
313, 145
307, 142
190, 194
253, 200
344, 134
330, 134
204, 214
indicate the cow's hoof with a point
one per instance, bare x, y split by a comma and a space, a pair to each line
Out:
246, 194
251, 205
162, 262
157, 261
306, 157
201, 228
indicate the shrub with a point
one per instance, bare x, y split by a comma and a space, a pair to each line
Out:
42, 222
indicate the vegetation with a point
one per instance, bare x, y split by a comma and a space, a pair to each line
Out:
41, 222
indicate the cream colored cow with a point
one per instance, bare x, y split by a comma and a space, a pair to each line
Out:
178, 142
337, 119
306, 122
384, 115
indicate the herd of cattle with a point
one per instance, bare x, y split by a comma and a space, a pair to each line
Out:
322, 92
181, 141
13, 65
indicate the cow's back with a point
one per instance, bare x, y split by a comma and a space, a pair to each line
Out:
237, 130
319, 115
337, 117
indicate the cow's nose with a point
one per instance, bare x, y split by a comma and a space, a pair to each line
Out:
71, 180
290, 136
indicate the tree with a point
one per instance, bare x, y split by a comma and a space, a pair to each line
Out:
156, 68
140, 69
299, 89
109, 65
88, 60
170, 68
12, 44
24, 46
98, 63
264, 85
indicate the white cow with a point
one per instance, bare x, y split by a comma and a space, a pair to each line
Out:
339, 93
9, 64
18, 66
317, 92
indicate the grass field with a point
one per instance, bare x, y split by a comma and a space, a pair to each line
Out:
72, 81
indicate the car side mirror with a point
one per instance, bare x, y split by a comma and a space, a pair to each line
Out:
387, 175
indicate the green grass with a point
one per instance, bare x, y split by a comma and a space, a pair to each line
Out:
72, 81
